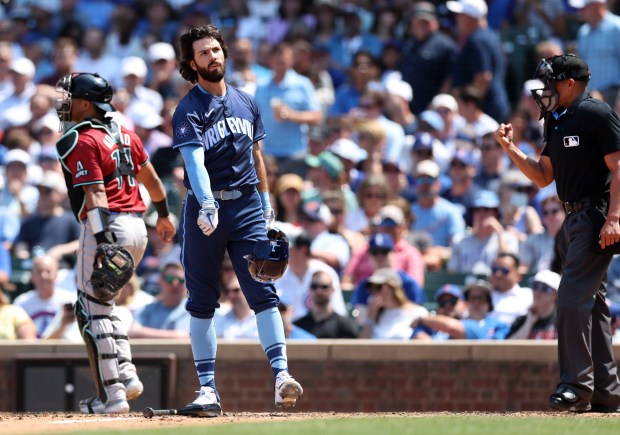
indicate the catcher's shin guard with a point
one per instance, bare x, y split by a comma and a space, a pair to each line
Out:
127, 370
96, 328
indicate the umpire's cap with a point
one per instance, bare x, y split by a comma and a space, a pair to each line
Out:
90, 87
563, 67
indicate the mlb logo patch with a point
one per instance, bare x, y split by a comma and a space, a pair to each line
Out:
571, 141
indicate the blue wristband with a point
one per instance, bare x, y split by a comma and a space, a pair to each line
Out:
264, 200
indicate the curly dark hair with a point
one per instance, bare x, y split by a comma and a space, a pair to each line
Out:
187, 49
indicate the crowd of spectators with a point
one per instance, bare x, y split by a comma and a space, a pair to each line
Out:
381, 160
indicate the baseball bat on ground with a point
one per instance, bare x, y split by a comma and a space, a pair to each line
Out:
150, 412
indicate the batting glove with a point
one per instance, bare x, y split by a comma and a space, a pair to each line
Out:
207, 217
270, 215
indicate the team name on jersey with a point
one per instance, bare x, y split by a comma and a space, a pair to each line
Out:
218, 130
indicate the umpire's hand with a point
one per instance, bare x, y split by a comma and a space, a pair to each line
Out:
207, 217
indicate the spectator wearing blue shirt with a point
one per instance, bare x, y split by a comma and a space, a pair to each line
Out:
168, 312
288, 105
477, 324
435, 215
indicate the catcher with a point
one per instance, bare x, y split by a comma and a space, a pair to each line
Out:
102, 164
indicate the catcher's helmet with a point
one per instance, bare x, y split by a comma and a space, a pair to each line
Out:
86, 86
269, 258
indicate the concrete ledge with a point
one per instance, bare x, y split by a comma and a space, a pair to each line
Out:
321, 350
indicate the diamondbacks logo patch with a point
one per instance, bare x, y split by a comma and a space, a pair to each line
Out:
571, 141
182, 130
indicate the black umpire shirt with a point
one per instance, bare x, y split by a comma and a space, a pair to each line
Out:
578, 138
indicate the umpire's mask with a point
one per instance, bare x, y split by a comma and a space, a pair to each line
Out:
269, 258
547, 97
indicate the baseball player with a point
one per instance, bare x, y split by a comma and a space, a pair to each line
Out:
101, 162
582, 155
218, 129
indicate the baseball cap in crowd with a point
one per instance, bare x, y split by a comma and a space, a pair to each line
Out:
428, 168
161, 51
386, 275
144, 115
464, 156
314, 211
328, 161
424, 11
570, 66
52, 180
445, 100
23, 66
391, 216
471, 8
546, 277
349, 150
48, 152
17, 155
486, 199
380, 241
579, 4
133, 65
289, 181
483, 285
433, 119
423, 141
448, 289
399, 87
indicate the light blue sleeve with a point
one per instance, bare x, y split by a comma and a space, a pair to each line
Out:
194, 158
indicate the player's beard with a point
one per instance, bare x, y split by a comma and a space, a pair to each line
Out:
213, 76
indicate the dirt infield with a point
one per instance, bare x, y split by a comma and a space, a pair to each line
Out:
58, 422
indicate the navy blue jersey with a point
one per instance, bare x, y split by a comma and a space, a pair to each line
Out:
226, 127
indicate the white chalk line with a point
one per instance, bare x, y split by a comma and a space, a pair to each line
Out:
94, 420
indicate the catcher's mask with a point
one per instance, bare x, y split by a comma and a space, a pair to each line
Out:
86, 86
552, 70
269, 258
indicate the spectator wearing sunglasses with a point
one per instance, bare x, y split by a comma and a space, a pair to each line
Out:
477, 322
436, 215
322, 321
538, 250
539, 323
510, 300
450, 304
390, 312
476, 251
168, 311
381, 253
404, 257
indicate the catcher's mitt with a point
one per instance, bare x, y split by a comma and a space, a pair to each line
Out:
112, 269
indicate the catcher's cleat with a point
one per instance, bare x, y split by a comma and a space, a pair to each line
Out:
206, 405
134, 387
288, 390
95, 406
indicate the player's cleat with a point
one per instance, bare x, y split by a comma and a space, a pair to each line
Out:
95, 406
134, 387
206, 405
288, 390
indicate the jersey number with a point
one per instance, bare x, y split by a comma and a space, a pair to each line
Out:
116, 156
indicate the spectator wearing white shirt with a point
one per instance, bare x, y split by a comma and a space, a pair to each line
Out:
294, 284
510, 300
45, 300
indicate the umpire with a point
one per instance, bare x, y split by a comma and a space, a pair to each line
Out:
582, 155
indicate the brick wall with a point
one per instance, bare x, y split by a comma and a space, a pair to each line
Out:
353, 375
